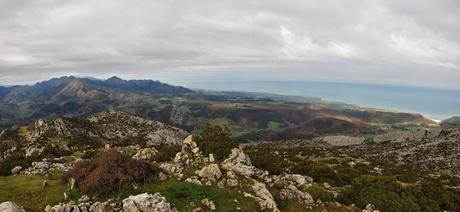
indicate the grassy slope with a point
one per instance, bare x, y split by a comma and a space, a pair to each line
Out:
27, 191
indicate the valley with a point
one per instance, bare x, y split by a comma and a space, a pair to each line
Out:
250, 116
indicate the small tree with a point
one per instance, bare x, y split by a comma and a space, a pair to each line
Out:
214, 139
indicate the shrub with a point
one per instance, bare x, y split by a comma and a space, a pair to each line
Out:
110, 172
446, 199
216, 140
89, 154
319, 192
386, 193
322, 173
15, 159
54, 152
166, 153
264, 159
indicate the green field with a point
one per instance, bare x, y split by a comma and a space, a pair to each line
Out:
27, 191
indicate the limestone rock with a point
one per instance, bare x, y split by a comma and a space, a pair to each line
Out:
110, 125
190, 153
232, 182
194, 180
145, 154
171, 168
147, 203
43, 167
34, 150
264, 197
239, 163
231, 175
292, 179
210, 171
16, 169
82, 207
342, 140
84, 198
212, 159
370, 208
292, 193
10, 207
209, 203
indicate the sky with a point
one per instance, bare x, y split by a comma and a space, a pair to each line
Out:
412, 42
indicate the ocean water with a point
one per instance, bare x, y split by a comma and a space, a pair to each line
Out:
433, 103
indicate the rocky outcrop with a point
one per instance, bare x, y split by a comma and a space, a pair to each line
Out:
34, 150
194, 180
370, 208
210, 171
43, 167
292, 193
10, 207
59, 127
108, 125
113, 124
190, 153
341, 140
296, 180
264, 197
16, 169
172, 168
209, 203
436, 151
238, 162
82, 207
147, 203
145, 154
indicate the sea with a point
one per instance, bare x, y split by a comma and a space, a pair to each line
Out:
434, 103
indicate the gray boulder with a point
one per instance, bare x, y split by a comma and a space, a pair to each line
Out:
10, 207
147, 203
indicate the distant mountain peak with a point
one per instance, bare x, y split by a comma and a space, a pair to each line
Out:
115, 79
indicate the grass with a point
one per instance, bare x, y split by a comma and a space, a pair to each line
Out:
237, 133
27, 191
4, 121
221, 122
23, 131
23, 114
187, 196
273, 125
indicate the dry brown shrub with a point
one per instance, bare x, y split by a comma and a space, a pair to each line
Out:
110, 172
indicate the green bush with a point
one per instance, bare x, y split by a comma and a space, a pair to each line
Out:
216, 140
324, 174
446, 199
319, 192
16, 159
265, 159
54, 152
389, 195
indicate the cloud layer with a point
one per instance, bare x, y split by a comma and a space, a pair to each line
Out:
386, 41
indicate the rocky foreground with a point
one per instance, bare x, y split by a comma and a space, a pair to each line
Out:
190, 165
297, 175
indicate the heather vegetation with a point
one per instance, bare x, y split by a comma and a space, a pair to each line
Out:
387, 186
110, 172
391, 195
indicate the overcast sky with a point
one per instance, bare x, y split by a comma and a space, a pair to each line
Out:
389, 41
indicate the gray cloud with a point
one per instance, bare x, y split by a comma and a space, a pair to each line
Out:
386, 41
